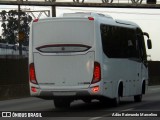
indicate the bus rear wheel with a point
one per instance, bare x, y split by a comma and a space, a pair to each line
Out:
116, 101
61, 104
87, 100
138, 98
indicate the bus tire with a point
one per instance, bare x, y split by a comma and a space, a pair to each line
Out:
138, 98
116, 101
143, 87
87, 100
61, 104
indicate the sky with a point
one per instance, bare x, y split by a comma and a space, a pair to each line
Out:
147, 19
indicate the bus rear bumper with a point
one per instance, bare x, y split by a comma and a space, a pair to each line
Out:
73, 94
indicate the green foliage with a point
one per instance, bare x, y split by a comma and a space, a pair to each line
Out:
10, 26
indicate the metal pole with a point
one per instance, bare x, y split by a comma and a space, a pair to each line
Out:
53, 11
20, 42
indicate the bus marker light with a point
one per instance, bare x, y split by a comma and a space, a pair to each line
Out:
35, 20
33, 89
95, 89
90, 18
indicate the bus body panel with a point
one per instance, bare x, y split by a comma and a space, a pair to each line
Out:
66, 70
64, 51
56, 67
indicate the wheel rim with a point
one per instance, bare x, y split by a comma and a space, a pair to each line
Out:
107, 1
78, 1
137, 1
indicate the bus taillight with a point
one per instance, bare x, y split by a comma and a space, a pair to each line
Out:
96, 73
32, 74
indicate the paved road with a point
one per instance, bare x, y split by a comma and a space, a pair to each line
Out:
92, 111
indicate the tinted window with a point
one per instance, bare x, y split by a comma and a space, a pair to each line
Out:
141, 45
119, 42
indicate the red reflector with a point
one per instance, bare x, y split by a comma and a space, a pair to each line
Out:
90, 18
35, 20
95, 89
32, 74
96, 73
33, 89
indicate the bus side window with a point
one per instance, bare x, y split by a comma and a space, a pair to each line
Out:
118, 42
142, 49
132, 50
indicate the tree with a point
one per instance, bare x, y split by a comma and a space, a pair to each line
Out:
10, 26
2, 40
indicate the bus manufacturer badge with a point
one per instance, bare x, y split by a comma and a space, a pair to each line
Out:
63, 48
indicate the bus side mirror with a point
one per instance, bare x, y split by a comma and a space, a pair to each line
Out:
146, 34
149, 44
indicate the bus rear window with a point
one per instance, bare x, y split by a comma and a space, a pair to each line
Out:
63, 48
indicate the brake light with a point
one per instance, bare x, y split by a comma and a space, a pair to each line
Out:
96, 73
35, 20
32, 74
90, 18
63, 48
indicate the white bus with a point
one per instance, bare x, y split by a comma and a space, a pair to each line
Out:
87, 56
